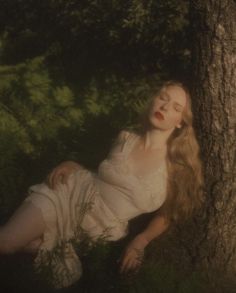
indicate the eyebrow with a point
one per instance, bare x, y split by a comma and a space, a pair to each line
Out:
165, 93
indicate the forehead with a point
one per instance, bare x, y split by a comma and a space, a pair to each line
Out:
175, 93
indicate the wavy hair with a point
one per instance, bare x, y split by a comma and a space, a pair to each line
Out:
184, 166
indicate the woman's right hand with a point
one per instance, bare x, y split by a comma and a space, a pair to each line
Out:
61, 173
132, 256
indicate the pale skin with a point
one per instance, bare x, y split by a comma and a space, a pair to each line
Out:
25, 228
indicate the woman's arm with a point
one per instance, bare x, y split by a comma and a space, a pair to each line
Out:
132, 256
156, 227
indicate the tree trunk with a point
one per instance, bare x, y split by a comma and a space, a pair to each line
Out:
214, 106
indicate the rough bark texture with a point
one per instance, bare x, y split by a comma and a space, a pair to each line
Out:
214, 105
206, 244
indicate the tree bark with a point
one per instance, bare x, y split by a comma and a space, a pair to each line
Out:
214, 106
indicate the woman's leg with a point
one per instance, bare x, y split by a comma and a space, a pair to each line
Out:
24, 227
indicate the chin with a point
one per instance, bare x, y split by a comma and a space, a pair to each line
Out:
155, 124
157, 127
162, 127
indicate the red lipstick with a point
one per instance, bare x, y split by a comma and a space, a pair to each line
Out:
159, 116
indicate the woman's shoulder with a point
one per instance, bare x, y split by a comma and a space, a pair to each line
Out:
122, 140
127, 133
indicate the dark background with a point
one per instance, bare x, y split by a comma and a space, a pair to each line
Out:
72, 75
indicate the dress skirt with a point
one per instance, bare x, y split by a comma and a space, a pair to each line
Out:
71, 211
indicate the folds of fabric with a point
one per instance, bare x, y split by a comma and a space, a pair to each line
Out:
63, 211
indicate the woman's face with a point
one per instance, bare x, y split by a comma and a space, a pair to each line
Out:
167, 108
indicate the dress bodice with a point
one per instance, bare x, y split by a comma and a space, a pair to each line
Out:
127, 194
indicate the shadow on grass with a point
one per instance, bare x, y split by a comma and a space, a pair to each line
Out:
101, 275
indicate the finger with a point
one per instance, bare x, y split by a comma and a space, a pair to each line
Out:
132, 264
50, 178
123, 264
53, 180
58, 175
65, 178
62, 176
135, 266
129, 266
126, 265
57, 179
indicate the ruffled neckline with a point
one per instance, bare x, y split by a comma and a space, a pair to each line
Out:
131, 142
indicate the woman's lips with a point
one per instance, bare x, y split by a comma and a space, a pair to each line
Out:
159, 116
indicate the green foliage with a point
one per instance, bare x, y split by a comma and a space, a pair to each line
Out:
43, 122
130, 38
34, 109
74, 73
33, 113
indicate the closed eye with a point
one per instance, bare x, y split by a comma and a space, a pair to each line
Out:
178, 110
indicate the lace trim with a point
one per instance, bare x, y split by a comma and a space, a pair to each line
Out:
156, 178
119, 160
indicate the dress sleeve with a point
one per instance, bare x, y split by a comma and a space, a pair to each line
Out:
119, 142
123, 135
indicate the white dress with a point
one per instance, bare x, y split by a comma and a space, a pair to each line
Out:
100, 204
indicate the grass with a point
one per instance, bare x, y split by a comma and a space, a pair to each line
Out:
101, 275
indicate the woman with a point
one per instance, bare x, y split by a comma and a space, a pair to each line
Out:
157, 169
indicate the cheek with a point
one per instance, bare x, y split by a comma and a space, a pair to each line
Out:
176, 118
155, 105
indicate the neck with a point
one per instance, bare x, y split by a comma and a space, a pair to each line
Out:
156, 139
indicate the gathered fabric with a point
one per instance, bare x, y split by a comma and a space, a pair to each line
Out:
96, 204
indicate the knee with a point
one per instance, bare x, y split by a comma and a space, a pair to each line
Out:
33, 246
6, 244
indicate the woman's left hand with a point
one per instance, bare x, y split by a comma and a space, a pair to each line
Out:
132, 257
61, 173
